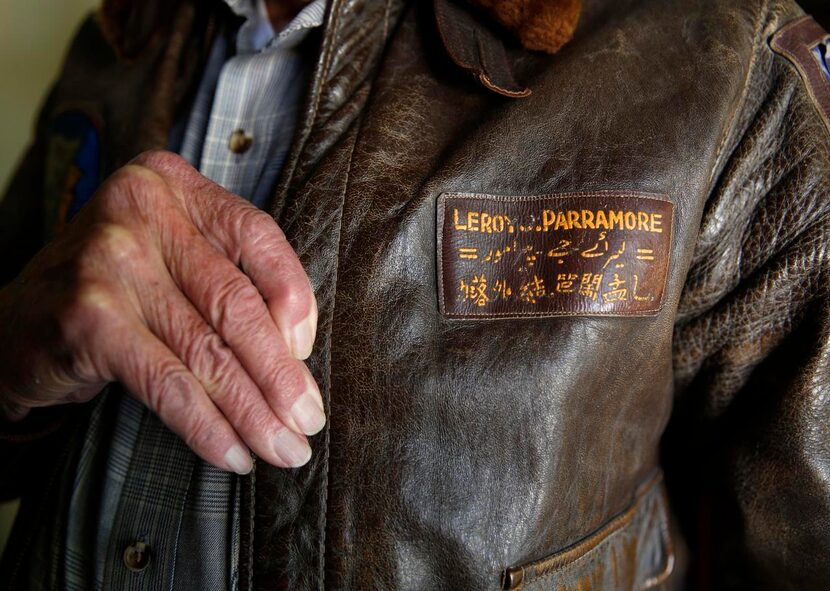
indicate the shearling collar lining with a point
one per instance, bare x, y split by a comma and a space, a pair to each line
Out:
541, 25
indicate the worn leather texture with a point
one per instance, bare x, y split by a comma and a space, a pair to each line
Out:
458, 452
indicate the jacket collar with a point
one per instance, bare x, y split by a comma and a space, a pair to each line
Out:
545, 25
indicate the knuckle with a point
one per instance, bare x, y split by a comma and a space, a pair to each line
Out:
293, 294
102, 256
236, 305
129, 189
232, 396
262, 233
86, 316
198, 431
91, 306
131, 177
113, 242
259, 224
254, 229
171, 392
212, 360
95, 299
160, 160
288, 380
253, 425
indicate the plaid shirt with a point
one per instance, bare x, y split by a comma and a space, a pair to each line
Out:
135, 480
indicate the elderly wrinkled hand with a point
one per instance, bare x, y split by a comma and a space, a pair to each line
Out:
189, 296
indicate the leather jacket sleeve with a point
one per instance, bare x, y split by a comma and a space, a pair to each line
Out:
748, 450
22, 445
21, 206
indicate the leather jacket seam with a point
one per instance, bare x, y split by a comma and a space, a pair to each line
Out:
251, 528
325, 487
323, 521
317, 86
307, 121
329, 49
560, 562
796, 66
758, 47
661, 577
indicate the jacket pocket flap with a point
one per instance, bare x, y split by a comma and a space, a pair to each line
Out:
632, 550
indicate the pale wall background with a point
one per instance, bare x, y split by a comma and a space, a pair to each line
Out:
33, 37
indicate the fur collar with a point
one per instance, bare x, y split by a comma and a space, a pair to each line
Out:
541, 25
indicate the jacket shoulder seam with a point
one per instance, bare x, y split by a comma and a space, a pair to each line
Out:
757, 47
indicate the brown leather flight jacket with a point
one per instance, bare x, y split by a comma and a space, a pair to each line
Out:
533, 305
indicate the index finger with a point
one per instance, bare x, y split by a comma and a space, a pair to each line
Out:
252, 240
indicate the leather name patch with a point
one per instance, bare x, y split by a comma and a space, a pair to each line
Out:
807, 45
570, 254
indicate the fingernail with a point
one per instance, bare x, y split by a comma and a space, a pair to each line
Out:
308, 415
291, 448
238, 459
302, 335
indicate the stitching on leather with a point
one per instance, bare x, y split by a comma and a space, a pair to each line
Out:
332, 31
567, 195
739, 106
485, 80
583, 548
251, 528
554, 314
321, 543
324, 513
307, 121
439, 244
329, 52
796, 63
589, 554
667, 541
347, 179
588, 547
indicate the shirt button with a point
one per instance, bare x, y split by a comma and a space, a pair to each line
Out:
239, 142
137, 556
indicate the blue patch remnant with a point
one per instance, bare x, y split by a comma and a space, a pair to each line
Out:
822, 55
84, 171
